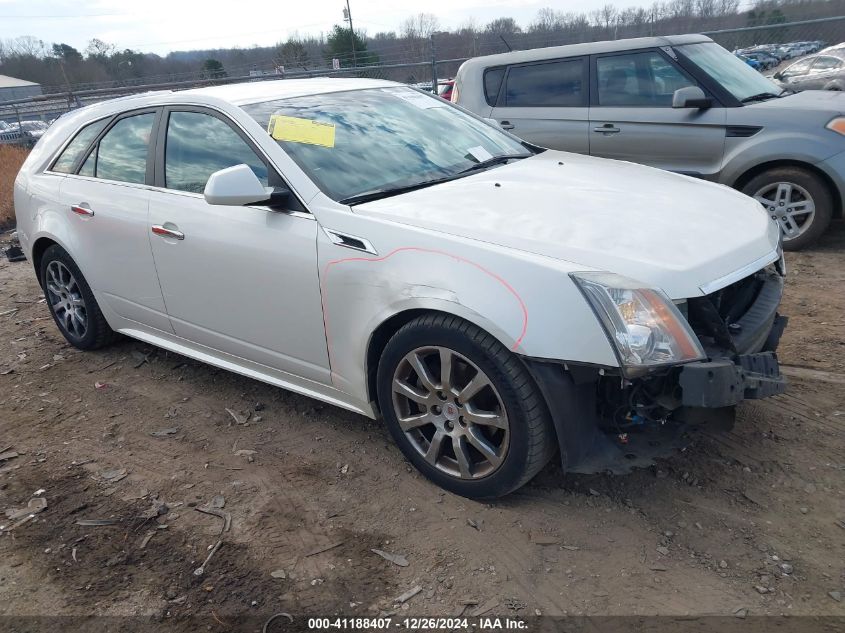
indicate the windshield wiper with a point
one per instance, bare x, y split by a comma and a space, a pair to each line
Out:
495, 160
386, 192
763, 96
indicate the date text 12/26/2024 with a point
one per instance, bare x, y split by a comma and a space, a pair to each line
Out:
416, 624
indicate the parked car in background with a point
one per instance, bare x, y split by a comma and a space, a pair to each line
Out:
825, 71
33, 130
493, 301
23, 133
750, 61
765, 60
444, 89
834, 47
680, 103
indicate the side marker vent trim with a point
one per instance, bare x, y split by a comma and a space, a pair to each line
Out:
350, 241
741, 131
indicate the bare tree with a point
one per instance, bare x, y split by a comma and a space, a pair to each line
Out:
421, 25
503, 26
27, 46
548, 20
99, 49
417, 30
706, 8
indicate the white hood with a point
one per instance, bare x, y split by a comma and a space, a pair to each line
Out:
669, 231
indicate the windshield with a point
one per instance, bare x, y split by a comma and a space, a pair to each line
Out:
732, 73
355, 142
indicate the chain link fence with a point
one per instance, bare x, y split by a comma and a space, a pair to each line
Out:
779, 44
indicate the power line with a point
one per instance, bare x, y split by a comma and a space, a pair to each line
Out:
66, 17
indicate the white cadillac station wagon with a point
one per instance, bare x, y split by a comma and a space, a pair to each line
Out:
384, 251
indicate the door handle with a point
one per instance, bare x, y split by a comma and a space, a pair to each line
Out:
162, 231
607, 128
506, 125
82, 209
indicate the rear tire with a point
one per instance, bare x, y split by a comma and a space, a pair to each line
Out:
480, 443
71, 302
784, 189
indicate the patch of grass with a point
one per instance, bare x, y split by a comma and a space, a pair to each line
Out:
11, 159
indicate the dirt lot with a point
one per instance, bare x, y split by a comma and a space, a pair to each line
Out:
11, 159
748, 522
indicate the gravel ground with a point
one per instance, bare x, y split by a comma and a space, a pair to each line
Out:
141, 440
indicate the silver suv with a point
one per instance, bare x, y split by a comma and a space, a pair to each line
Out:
681, 103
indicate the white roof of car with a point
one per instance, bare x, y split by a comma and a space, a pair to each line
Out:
588, 48
236, 94
257, 91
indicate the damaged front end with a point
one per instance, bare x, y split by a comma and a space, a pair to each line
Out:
609, 421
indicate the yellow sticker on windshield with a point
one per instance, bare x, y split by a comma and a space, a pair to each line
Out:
296, 130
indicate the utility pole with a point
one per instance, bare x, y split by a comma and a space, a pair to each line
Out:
70, 98
433, 67
347, 15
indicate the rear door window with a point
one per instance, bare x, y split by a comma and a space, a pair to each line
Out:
121, 154
548, 84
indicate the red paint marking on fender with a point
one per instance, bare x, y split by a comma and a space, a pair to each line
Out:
457, 258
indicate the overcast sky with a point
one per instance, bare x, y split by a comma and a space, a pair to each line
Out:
160, 26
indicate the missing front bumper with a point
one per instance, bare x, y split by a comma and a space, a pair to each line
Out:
725, 383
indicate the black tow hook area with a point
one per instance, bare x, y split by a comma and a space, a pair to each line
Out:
725, 382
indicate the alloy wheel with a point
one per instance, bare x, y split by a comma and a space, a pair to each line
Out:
451, 412
66, 301
790, 205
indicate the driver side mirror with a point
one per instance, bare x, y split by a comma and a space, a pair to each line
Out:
690, 97
238, 186
778, 76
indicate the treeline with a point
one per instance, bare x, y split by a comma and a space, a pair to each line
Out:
57, 66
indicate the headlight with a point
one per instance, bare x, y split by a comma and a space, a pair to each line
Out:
644, 325
837, 125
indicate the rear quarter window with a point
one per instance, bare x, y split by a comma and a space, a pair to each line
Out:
67, 159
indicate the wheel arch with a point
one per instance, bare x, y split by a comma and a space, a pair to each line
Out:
378, 341
392, 324
756, 170
39, 247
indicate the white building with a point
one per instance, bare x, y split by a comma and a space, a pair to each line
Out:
12, 89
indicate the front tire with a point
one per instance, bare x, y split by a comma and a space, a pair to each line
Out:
799, 200
71, 302
463, 408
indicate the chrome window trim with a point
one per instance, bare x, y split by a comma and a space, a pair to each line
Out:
175, 192
133, 185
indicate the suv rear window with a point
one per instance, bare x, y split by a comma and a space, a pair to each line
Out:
550, 84
493, 83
